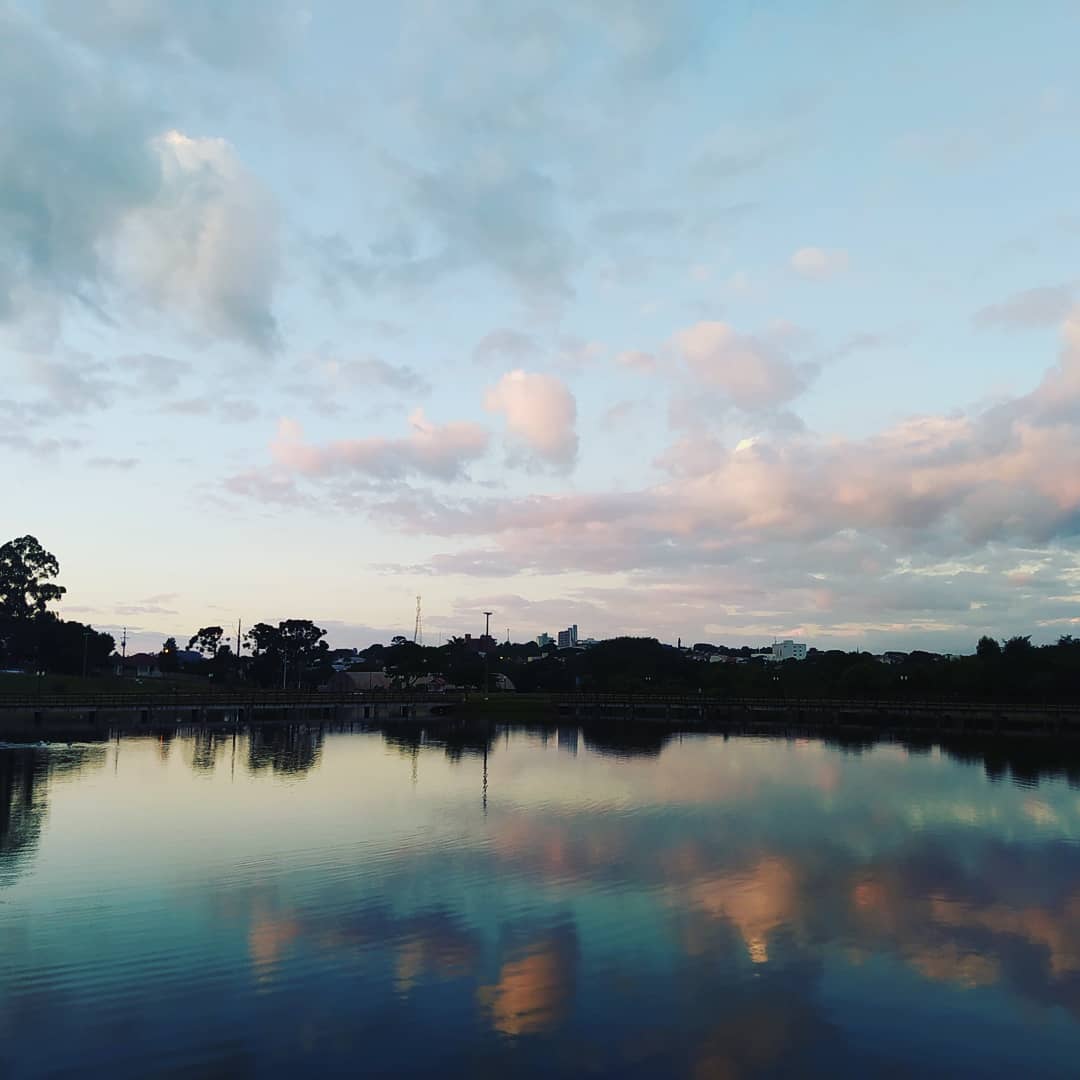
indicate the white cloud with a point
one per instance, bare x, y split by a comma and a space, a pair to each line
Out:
206, 246
819, 263
540, 413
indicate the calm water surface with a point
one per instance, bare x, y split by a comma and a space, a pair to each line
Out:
309, 902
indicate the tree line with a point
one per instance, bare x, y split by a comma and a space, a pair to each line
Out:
294, 653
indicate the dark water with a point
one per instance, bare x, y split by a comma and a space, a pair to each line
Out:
304, 902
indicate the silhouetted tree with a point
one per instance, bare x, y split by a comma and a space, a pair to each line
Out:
168, 658
26, 589
290, 654
406, 661
1018, 648
207, 641
26, 570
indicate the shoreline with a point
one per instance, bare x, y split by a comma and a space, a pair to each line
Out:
35, 720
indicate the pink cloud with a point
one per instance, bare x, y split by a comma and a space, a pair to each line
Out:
540, 414
441, 452
1011, 473
751, 373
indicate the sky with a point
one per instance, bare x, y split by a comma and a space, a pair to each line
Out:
713, 321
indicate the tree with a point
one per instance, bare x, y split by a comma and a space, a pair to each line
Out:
169, 659
406, 661
1018, 648
70, 647
285, 654
25, 572
26, 590
988, 648
207, 641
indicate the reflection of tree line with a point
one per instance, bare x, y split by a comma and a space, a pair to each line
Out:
1025, 762
458, 741
25, 775
282, 749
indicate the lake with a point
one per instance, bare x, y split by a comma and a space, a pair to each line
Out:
308, 901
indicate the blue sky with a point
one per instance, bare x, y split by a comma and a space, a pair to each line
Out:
700, 320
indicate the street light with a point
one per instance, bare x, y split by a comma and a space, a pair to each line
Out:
487, 638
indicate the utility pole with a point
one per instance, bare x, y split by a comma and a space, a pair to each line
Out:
487, 639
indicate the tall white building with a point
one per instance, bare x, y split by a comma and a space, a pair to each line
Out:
568, 637
788, 650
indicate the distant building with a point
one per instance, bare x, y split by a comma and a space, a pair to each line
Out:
140, 665
350, 682
788, 650
485, 643
568, 637
544, 640
893, 657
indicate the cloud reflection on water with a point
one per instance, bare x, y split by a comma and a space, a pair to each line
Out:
712, 897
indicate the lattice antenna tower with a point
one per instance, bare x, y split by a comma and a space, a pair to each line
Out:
418, 630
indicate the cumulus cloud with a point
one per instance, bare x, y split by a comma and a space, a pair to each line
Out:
206, 246
819, 263
74, 159
540, 414
440, 452
94, 197
1031, 308
929, 526
753, 374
